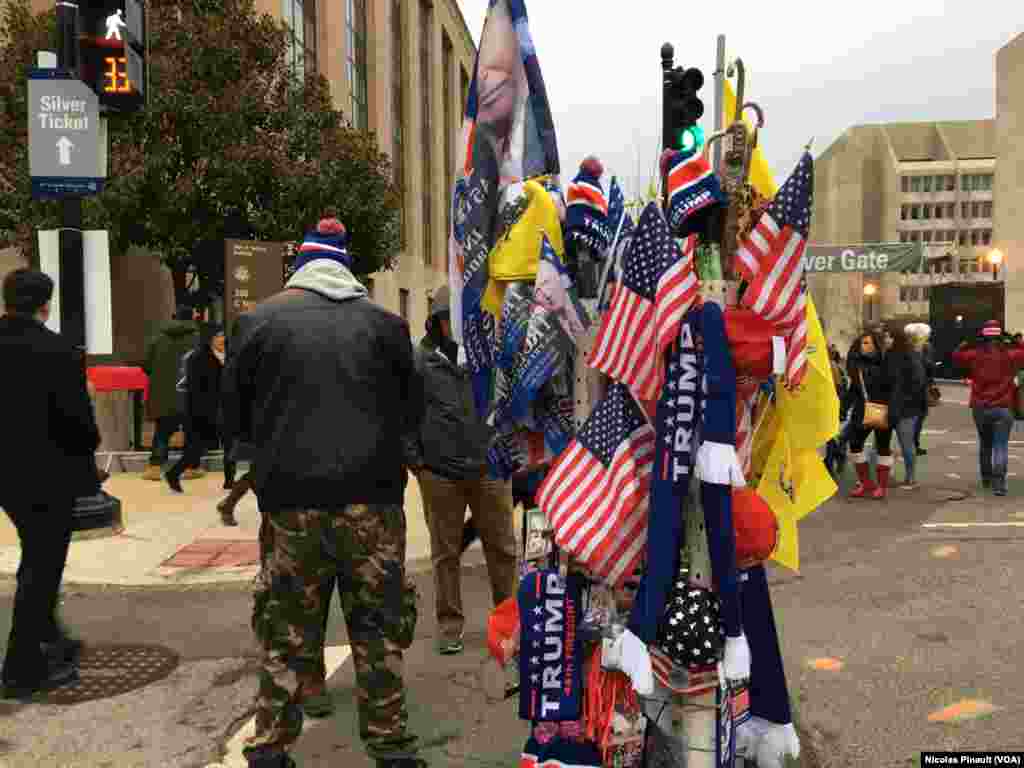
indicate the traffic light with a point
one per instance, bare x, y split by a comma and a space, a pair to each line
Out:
112, 52
683, 108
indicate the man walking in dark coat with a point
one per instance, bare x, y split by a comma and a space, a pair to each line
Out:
45, 402
165, 405
321, 383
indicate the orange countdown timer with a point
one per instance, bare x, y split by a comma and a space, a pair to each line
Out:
116, 75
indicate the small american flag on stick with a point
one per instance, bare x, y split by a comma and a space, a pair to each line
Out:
771, 260
657, 286
596, 494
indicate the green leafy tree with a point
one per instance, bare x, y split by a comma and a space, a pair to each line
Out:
229, 144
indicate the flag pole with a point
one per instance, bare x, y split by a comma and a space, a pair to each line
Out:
719, 98
611, 256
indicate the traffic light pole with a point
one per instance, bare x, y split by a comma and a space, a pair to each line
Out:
72, 257
667, 60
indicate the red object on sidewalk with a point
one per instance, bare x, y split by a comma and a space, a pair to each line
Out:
119, 378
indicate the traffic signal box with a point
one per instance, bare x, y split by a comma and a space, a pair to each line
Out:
112, 52
684, 109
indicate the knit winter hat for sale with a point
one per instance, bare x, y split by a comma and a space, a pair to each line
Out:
693, 193
328, 241
586, 218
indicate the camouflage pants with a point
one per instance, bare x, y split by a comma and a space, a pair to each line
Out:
362, 548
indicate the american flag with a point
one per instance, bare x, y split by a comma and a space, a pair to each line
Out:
596, 494
656, 287
620, 224
771, 260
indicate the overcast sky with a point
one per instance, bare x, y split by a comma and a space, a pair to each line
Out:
814, 69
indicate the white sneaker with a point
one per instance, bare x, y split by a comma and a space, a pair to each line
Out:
778, 742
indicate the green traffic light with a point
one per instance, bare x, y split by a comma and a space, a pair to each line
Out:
691, 139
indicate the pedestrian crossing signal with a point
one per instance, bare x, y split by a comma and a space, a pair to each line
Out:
115, 75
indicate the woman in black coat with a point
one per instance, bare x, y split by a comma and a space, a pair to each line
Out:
203, 411
869, 382
908, 377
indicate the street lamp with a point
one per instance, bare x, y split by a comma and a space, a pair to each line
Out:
995, 258
870, 290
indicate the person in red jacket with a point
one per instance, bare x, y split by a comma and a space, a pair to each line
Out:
992, 365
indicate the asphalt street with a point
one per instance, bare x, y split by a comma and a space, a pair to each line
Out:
902, 632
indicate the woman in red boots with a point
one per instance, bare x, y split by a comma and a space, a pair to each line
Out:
869, 383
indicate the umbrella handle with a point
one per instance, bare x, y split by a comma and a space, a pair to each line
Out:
740, 71
717, 136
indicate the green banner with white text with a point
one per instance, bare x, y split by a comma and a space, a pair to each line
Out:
864, 257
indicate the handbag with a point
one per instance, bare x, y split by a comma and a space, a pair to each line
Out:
876, 415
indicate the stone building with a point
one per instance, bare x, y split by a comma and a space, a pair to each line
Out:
1009, 187
931, 183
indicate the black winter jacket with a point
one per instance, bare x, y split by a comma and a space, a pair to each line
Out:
322, 385
875, 378
47, 417
453, 441
204, 373
908, 379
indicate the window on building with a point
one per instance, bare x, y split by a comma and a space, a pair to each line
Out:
963, 238
427, 91
986, 237
915, 212
927, 209
950, 209
300, 18
965, 210
926, 182
398, 110
903, 237
965, 183
914, 237
464, 87
403, 303
985, 182
950, 183
355, 23
986, 210
447, 75
927, 236
975, 210
974, 237
915, 183
904, 212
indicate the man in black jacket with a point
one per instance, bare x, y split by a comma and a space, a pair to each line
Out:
320, 382
450, 461
45, 402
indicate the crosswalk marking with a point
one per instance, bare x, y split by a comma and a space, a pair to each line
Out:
972, 525
334, 657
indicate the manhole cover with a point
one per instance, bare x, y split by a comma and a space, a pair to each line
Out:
110, 670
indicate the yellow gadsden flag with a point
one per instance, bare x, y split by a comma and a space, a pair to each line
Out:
793, 478
761, 177
810, 415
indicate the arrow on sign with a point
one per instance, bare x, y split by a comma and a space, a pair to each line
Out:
64, 147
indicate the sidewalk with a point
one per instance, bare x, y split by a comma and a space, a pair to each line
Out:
172, 539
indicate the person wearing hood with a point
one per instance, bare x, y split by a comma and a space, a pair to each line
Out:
449, 458
321, 385
164, 405
203, 411
869, 382
992, 365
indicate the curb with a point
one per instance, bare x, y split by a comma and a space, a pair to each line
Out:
220, 577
